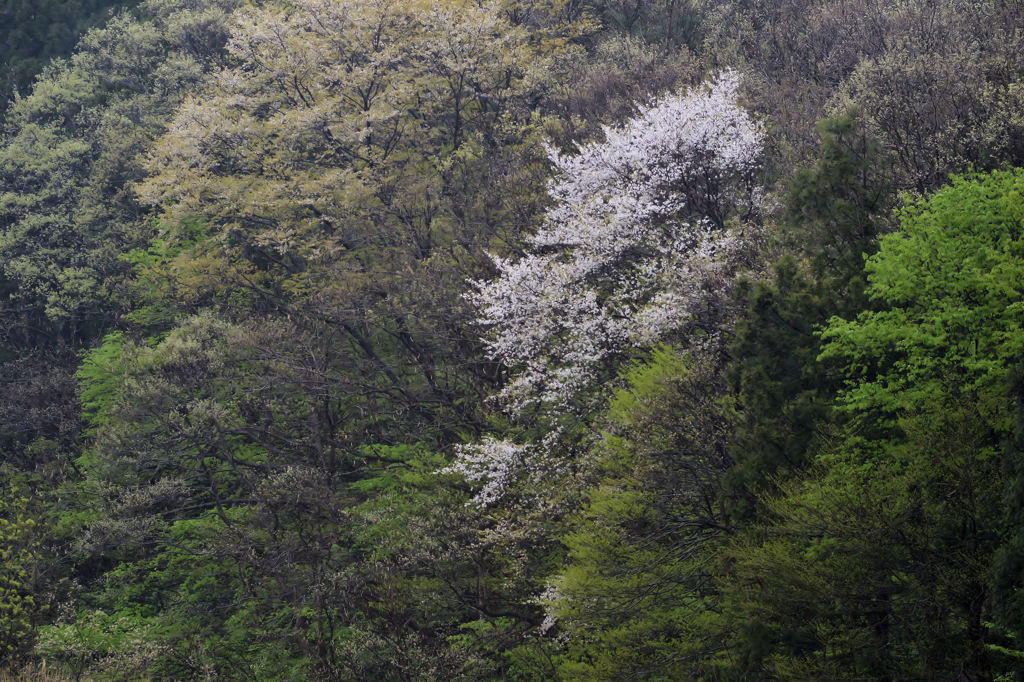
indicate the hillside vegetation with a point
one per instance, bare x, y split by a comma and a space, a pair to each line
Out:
514, 340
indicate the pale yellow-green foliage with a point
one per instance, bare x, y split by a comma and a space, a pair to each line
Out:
340, 124
69, 151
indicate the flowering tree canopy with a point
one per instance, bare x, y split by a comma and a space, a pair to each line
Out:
631, 247
638, 244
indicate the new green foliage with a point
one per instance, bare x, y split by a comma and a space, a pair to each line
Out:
876, 563
950, 281
637, 587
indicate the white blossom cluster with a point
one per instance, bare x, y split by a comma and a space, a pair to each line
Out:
548, 599
635, 243
491, 462
626, 253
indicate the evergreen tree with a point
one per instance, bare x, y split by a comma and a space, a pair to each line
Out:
834, 214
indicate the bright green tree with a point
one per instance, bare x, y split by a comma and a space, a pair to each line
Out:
636, 592
877, 564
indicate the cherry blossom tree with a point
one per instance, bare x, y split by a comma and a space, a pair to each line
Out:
637, 232
644, 235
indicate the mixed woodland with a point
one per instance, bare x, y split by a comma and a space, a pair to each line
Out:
512, 340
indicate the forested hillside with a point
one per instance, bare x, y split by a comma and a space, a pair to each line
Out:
32, 32
513, 340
